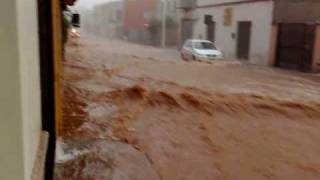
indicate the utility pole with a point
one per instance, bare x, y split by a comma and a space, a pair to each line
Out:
164, 23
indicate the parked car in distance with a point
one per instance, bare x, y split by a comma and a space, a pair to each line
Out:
75, 26
200, 50
74, 32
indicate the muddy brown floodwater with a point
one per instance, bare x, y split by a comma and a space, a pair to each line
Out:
146, 115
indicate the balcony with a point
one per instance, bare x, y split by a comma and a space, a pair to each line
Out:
188, 4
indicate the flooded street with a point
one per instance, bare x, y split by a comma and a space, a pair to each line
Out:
133, 112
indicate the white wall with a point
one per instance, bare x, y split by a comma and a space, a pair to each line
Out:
259, 13
20, 123
11, 154
30, 79
211, 2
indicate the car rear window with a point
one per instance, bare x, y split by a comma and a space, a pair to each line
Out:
203, 45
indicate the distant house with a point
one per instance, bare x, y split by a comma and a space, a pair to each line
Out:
143, 21
137, 18
138, 21
257, 31
107, 19
171, 22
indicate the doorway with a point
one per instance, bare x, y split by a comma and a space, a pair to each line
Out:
244, 38
295, 46
211, 26
187, 30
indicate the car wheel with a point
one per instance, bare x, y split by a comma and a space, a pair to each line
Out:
194, 58
183, 57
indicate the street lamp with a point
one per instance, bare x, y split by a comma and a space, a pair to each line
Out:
164, 23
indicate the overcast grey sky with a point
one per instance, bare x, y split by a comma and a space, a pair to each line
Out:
90, 3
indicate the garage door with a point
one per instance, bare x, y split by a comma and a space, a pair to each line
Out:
295, 46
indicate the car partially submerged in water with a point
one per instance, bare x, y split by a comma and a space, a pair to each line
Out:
200, 50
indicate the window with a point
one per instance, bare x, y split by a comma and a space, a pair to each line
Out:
203, 45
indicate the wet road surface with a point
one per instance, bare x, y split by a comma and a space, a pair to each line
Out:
136, 112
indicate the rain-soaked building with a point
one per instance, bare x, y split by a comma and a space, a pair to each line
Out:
282, 33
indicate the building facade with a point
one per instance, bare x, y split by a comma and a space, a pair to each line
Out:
257, 31
20, 97
109, 18
137, 19
143, 21
186, 18
241, 29
103, 20
171, 23
295, 40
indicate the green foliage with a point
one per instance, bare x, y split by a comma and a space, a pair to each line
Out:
65, 29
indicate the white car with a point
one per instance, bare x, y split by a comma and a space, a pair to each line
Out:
74, 32
201, 50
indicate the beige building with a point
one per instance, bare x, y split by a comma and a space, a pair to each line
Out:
241, 29
257, 31
20, 97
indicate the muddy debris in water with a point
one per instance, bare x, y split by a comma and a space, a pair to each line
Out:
73, 107
85, 167
163, 98
137, 92
152, 59
140, 93
123, 134
77, 72
197, 102
104, 160
112, 71
121, 127
191, 131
